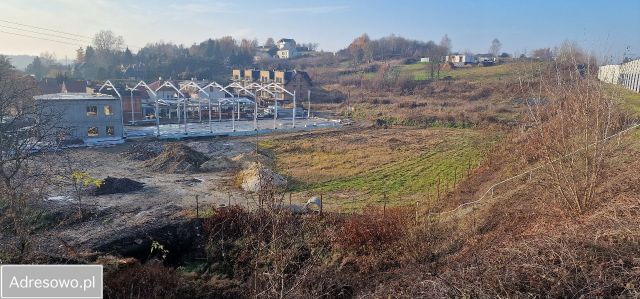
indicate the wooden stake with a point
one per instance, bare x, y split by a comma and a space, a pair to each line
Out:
289, 199
384, 207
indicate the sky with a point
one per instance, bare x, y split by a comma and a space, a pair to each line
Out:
609, 28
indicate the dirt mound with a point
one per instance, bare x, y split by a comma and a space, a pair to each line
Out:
143, 151
112, 185
247, 160
177, 158
217, 164
257, 177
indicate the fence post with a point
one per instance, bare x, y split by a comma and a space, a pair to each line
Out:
289, 199
455, 176
229, 203
197, 207
438, 189
384, 206
321, 203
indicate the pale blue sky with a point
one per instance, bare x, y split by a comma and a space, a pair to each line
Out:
608, 27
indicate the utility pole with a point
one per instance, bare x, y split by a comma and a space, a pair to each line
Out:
294, 108
309, 109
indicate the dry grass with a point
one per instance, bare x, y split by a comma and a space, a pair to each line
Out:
354, 168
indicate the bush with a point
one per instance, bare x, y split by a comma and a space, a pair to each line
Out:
369, 234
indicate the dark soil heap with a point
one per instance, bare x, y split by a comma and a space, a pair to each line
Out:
177, 158
112, 185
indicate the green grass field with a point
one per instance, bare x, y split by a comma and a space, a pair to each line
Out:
629, 99
421, 71
361, 168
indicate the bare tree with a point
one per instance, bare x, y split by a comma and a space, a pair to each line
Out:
269, 43
106, 41
445, 43
26, 132
496, 45
573, 117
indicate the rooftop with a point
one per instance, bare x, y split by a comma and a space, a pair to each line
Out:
75, 96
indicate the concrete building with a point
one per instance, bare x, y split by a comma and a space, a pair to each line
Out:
290, 80
85, 117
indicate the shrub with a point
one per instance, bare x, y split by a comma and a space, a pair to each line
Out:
368, 234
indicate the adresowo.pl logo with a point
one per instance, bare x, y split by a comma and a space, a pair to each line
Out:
51, 281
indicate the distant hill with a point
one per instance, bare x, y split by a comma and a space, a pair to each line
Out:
20, 61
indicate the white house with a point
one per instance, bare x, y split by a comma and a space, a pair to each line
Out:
286, 48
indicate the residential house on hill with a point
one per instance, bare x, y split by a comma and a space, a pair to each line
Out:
287, 48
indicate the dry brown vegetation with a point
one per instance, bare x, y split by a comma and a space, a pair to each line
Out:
525, 240
571, 229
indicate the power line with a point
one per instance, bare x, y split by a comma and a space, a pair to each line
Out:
20, 24
86, 39
48, 34
42, 38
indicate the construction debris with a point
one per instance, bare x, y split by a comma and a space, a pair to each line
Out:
177, 158
112, 185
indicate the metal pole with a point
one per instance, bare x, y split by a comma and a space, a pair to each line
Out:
158, 117
309, 108
294, 108
255, 115
132, 115
219, 111
210, 125
185, 115
238, 110
275, 114
233, 122
199, 110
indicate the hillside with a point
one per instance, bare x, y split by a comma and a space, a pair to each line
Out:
20, 61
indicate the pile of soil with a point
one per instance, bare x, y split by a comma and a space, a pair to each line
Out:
217, 164
257, 177
143, 151
112, 185
177, 158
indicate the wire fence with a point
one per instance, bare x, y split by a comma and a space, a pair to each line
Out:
490, 190
439, 189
